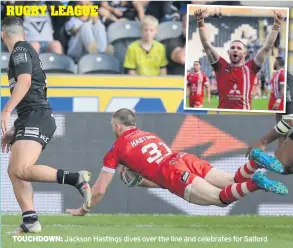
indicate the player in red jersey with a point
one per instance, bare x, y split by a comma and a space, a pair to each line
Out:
277, 85
183, 174
196, 82
236, 78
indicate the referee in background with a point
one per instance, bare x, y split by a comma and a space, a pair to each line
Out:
33, 128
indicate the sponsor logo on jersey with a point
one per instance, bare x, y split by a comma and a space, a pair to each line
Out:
20, 58
234, 90
44, 138
185, 176
227, 70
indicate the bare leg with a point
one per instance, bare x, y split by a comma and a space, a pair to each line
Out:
24, 155
222, 179
36, 45
201, 192
218, 178
55, 47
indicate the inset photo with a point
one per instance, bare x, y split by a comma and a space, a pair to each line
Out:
236, 58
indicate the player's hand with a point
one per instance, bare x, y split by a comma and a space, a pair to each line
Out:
76, 212
279, 18
5, 116
276, 105
200, 14
258, 144
6, 140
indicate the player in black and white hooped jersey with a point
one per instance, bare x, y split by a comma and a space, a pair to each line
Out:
33, 128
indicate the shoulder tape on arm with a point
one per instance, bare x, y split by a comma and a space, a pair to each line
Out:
282, 126
288, 117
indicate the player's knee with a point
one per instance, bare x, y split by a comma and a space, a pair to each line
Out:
55, 47
36, 45
11, 173
21, 171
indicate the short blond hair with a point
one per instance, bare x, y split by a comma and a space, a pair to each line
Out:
149, 20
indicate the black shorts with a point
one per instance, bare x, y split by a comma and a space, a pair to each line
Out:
38, 125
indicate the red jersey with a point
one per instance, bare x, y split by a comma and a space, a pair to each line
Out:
235, 83
140, 151
276, 81
196, 82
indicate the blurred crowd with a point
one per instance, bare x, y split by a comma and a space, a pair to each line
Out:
78, 36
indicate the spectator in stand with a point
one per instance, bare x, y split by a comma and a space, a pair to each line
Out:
113, 11
163, 11
146, 57
176, 52
87, 35
39, 29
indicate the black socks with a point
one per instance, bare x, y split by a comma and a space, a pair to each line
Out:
29, 217
66, 177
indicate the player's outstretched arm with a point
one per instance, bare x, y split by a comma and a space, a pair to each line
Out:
280, 129
211, 52
270, 40
98, 191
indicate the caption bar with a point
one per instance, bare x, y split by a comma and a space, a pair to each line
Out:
141, 239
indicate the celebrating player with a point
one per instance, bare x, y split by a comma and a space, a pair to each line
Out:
196, 82
33, 128
284, 130
183, 174
236, 79
277, 85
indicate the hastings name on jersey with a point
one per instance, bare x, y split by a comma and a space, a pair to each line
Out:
135, 142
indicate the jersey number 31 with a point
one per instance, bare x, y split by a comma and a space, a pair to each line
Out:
155, 154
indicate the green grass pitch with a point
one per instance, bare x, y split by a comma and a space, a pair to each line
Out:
257, 104
195, 231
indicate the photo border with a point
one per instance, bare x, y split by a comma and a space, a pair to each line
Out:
286, 60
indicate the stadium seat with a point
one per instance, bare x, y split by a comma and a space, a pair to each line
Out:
123, 30
121, 34
57, 63
169, 30
4, 61
99, 64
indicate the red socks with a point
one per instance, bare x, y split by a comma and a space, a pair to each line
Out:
245, 172
236, 191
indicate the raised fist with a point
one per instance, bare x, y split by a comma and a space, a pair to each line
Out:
279, 18
200, 14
